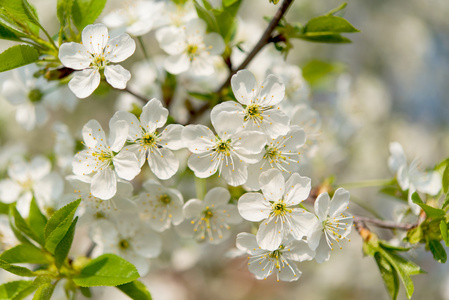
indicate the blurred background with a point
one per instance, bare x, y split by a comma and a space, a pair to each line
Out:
390, 84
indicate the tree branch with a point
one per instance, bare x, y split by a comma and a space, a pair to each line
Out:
141, 98
383, 224
264, 40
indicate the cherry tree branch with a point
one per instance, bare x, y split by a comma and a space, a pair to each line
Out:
384, 224
265, 39
141, 98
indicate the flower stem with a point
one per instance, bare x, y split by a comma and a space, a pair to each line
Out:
200, 187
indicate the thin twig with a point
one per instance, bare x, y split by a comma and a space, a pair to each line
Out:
141, 98
264, 40
384, 224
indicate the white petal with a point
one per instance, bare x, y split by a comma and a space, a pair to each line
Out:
275, 123
177, 64
171, 137
429, 183
146, 243
95, 38
339, 202
171, 40
315, 234
195, 27
226, 124
248, 143
9, 191
253, 207
297, 189
234, 170
214, 43
272, 91
139, 151
244, 86
26, 116
39, 167
117, 76
153, 116
247, 243
290, 273
403, 177
301, 223
397, 157
270, 234
84, 82
15, 92
104, 184
48, 189
133, 122
120, 48
126, 165
74, 56
228, 106
323, 252
202, 165
163, 163
296, 138
217, 196
118, 132
84, 163
93, 133
322, 206
193, 208
272, 184
198, 138
202, 65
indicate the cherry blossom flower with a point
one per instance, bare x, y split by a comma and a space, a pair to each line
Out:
139, 17
209, 220
228, 152
332, 224
147, 143
411, 177
105, 162
128, 237
276, 208
190, 48
95, 55
162, 206
281, 153
31, 179
257, 107
263, 262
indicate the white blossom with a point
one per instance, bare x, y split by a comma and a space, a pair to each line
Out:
128, 237
277, 208
105, 162
94, 55
160, 205
281, 153
228, 152
209, 220
332, 224
148, 143
411, 177
258, 107
263, 262
190, 48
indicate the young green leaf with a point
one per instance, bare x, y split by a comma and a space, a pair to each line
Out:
21, 14
136, 290
444, 232
431, 212
438, 252
8, 34
11, 289
37, 220
24, 253
207, 16
106, 270
63, 248
21, 271
324, 25
446, 179
23, 226
59, 224
389, 275
85, 12
44, 292
17, 56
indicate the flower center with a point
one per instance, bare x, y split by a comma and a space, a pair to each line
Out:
104, 156
192, 50
279, 208
165, 199
35, 95
149, 139
253, 111
123, 244
223, 146
208, 213
99, 61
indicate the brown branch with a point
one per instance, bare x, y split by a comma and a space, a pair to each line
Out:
264, 40
141, 98
360, 221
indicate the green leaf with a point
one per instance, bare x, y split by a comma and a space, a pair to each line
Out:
227, 3
11, 289
21, 15
24, 253
37, 220
44, 292
207, 16
8, 34
446, 202
446, 179
438, 252
431, 212
4, 208
136, 290
106, 270
63, 248
391, 247
59, 224
325, 25
21, 271
225, 19
23, 226
444, 232
17, 56
415, 235
85, 12
64, 10
325, 38
85, 291
389, 275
